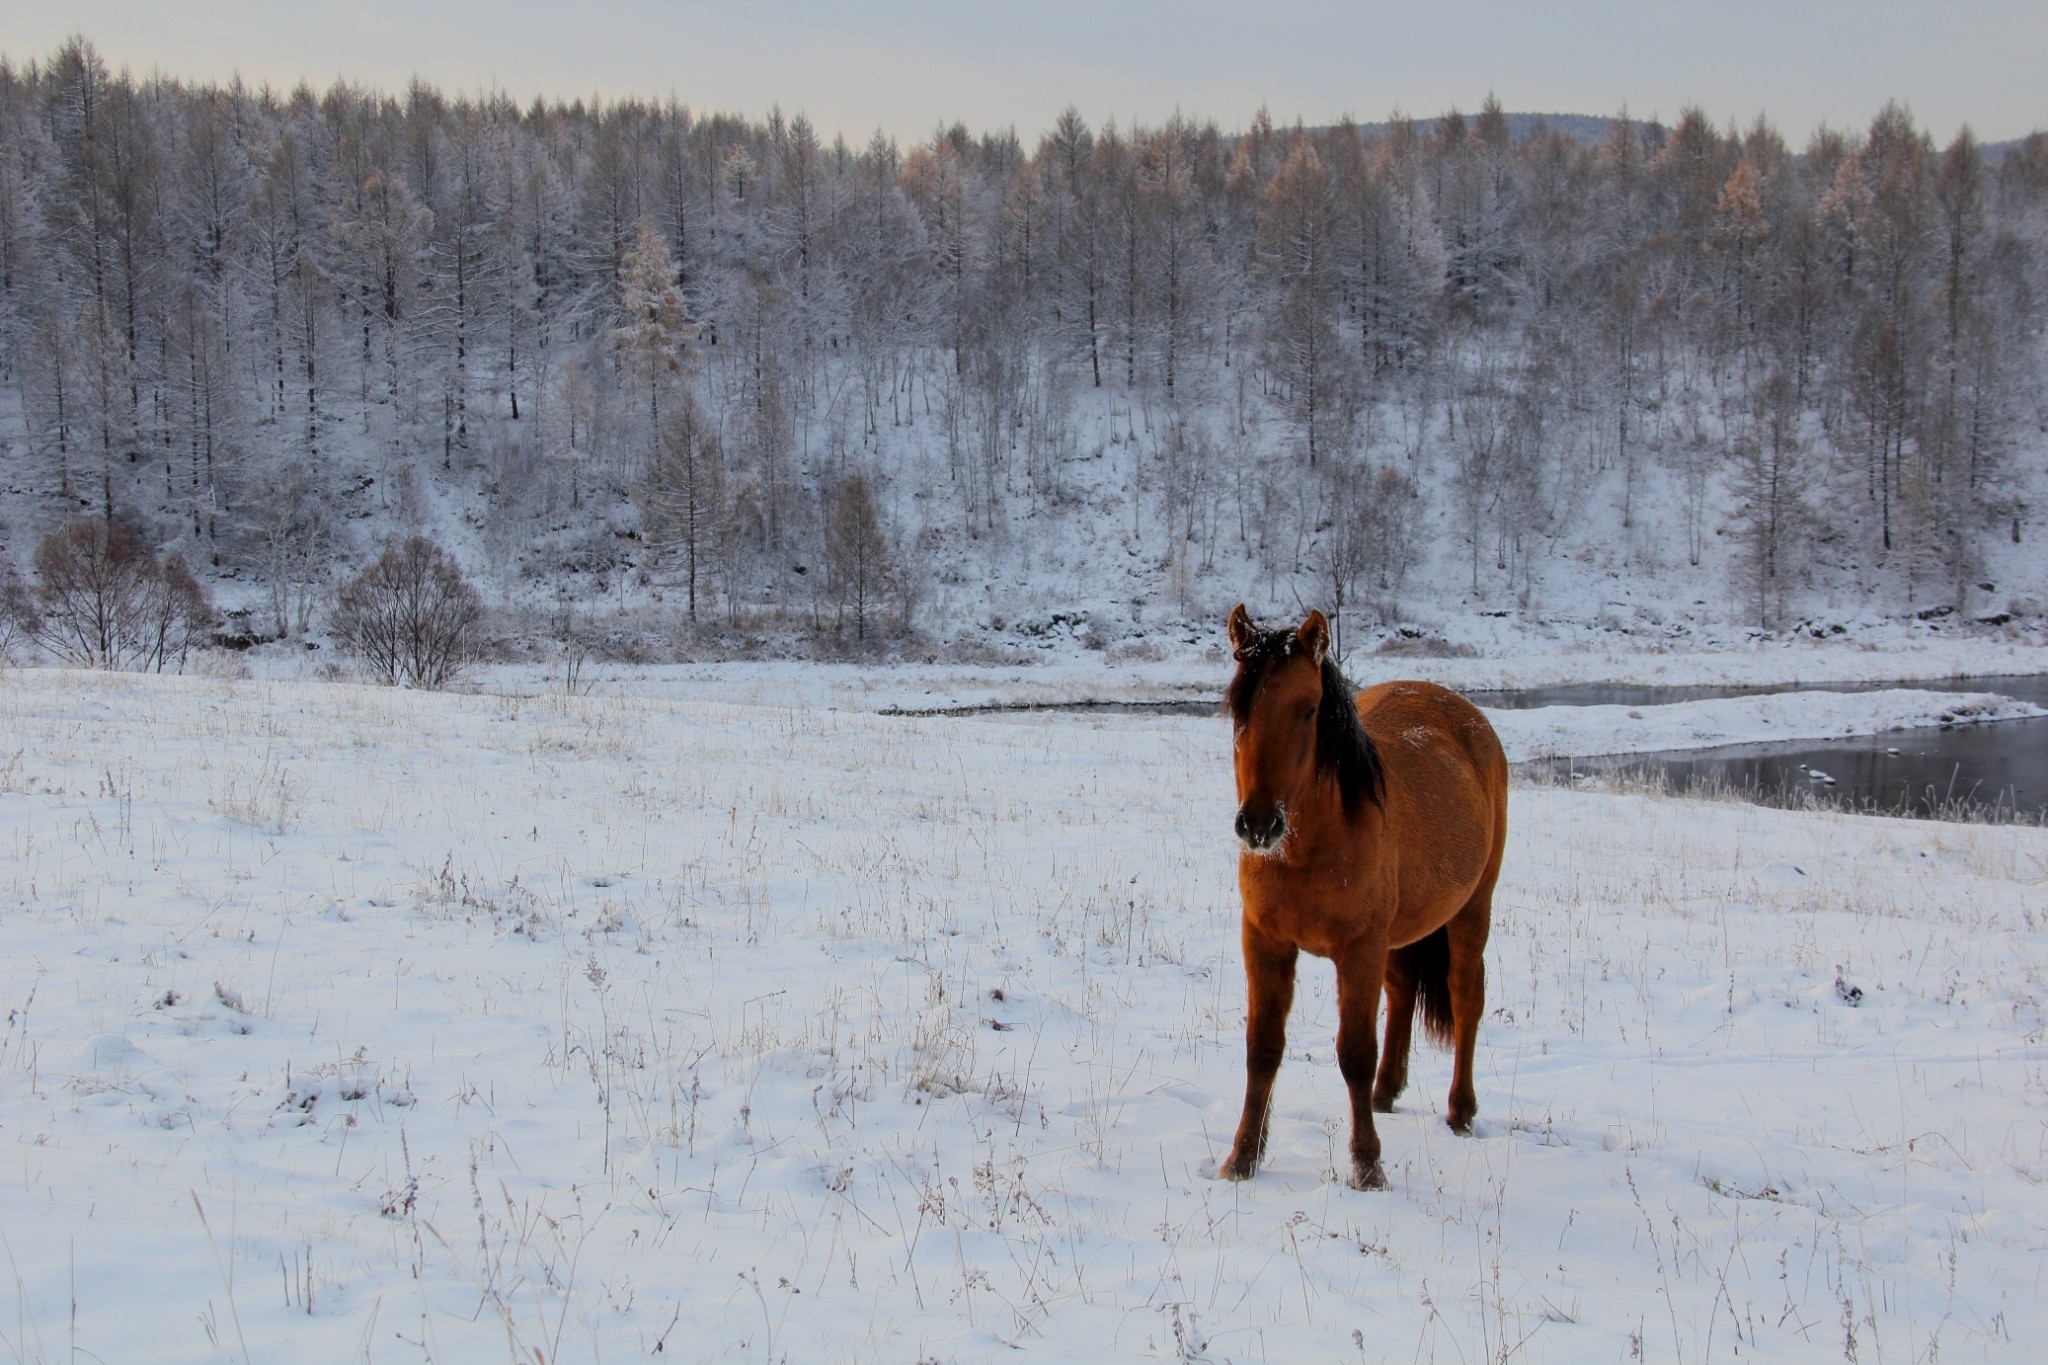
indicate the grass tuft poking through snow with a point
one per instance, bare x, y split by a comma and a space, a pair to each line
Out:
353, 1024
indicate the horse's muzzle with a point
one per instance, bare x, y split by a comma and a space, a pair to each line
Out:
1261, 831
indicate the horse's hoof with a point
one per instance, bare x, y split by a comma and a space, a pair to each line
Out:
1373, 1177
1236, 1170
1461, 1129
1380, 1106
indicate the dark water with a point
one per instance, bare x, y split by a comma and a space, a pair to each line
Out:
2024, 687
1211, 706
1999, 771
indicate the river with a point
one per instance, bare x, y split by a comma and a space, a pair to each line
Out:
1997, 771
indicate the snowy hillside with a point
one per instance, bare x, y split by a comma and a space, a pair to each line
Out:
675, 385
347, 1023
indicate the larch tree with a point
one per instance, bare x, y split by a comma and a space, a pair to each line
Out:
381, 233
683, 492
1083, 243
1168, 204
655, 330
466, 252
1959, 196
1768, 479
857, 554
1298, 254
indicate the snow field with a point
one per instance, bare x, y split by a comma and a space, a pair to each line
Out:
356, 1024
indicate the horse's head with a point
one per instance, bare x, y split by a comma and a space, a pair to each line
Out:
1294, 723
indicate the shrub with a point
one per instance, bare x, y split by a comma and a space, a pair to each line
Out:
103, 600
19, 619
411, 616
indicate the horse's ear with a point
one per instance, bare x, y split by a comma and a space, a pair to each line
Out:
1242, 631
1315, 637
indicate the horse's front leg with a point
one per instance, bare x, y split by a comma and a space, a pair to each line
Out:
1269, 976
1359, 971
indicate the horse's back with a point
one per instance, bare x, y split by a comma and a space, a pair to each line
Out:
1446, 808
1412, 714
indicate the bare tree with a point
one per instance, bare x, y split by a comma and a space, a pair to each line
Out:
1881, 400
1390, 514
295, 537
102, 600
1480, 456
1767, 479
857, 554
683, 491
411, 616
1341, 554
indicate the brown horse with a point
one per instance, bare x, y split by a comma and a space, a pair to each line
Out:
1372, 831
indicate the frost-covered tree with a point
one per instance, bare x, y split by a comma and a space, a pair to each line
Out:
655, 329
380, 235
1298, 253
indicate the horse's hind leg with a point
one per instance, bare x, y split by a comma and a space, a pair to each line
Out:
1393, 1078
1269, 977
1467, 933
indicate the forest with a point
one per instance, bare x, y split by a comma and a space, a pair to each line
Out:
725, 381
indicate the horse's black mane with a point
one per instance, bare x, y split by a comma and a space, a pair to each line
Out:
1342, 745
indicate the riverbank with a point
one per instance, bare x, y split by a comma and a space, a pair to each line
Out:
1199, 669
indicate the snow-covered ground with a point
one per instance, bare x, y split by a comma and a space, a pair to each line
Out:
696, 1017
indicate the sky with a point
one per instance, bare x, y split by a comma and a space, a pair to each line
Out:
910, 66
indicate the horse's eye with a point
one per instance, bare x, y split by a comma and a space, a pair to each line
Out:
1309, 714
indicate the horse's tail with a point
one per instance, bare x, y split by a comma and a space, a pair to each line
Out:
1427, 962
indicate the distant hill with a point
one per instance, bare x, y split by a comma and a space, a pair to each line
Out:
1995, 152
1590, 130
1586, 129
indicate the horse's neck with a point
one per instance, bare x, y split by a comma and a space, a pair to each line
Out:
1329, 834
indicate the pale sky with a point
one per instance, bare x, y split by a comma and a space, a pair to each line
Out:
907, 66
